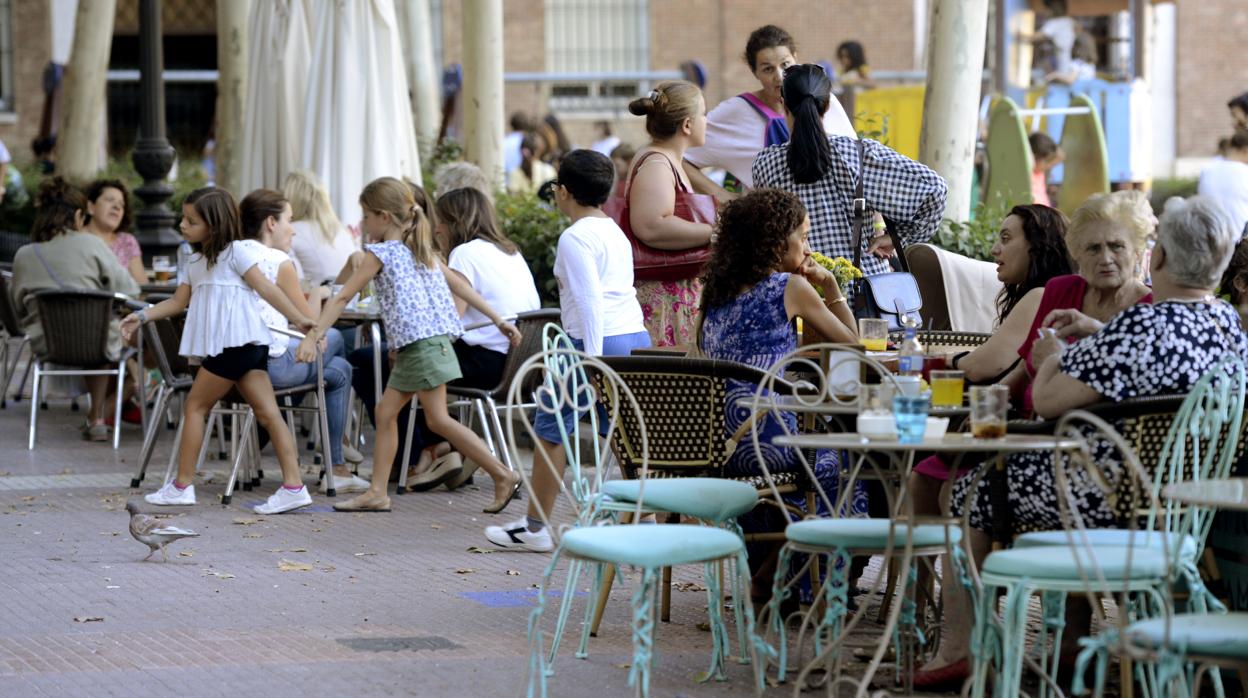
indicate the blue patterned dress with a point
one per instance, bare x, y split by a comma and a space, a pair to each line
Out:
754, 329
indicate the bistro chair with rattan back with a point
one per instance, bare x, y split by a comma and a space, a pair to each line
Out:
163, 339
939, 341
485, 402
76, 327
14, 341
569, 381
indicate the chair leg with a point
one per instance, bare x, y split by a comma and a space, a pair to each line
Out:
644, 600
407, 450
149, 435
604, 591
121, 390
565, 608
238, 456
17, 396
497, 422
34, 406
323, 423
890, 590
4, 371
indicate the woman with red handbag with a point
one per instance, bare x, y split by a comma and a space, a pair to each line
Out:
668, 225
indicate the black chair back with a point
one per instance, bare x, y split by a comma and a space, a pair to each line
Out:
76, 325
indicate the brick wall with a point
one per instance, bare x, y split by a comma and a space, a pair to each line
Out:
1210, 71
32, 48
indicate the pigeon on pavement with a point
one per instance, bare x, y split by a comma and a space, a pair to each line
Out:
153, 532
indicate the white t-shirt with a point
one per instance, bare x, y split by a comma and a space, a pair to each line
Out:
504, 280
511, 151
270, 260
594, 267
606, 145
1061, 31
224, 311
315, 260
736, 134
1226, 181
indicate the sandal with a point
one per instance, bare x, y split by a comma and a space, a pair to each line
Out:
361, 503
442, 469
498, 506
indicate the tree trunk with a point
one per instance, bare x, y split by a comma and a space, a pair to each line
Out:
232, 18
483, 86
81, 134
416, 22
955, 63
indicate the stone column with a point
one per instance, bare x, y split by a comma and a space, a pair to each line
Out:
153, 156
416, 20
82, 114
232, 18
955, 64
483, 86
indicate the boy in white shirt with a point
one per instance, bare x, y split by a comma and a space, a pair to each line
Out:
600, 312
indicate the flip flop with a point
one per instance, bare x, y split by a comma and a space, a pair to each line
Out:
442, 469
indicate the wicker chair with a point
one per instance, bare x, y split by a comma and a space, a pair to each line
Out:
76, 327
13, 342
163, 340
943, 340
486, 402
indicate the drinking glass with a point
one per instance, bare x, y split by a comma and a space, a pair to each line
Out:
947, 387
162, 268
910, 413
989, 405
873, 334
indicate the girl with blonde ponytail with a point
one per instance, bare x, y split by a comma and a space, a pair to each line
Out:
414, 291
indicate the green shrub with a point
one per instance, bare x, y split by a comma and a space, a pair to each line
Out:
976, 237
535, 228
1163, 189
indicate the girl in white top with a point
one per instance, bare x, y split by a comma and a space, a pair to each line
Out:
741, 126
594, 267
321, 245
414, 293
225, 332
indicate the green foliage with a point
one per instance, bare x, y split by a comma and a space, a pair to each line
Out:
1164, 189
973, 238
535, 228
874, 126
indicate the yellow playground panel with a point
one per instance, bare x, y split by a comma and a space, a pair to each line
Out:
903, 107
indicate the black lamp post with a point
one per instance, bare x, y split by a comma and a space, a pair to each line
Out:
153, 156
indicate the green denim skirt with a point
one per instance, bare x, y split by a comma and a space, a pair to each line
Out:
424, 364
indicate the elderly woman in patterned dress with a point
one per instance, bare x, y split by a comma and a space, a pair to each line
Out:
760, 276
1158, 349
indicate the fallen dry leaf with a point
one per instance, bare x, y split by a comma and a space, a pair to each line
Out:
245, 520
291, 566
28, 498
481, 551
513, 573
364, 554
298, 550
108, 533
89, 619
186, 553
435, 527
252, 535
464, 570
688, 586
328, 568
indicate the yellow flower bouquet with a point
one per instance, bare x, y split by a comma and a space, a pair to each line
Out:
843, 269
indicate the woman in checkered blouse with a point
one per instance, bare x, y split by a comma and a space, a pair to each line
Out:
823, 171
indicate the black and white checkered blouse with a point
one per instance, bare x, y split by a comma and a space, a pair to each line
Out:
909, 194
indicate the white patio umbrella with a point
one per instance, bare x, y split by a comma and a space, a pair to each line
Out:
357, 122
277, 79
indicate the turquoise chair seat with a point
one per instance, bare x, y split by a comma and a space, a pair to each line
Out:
865, 533
1059, 563
1114, 537
651, 546
1210, 634
706, 498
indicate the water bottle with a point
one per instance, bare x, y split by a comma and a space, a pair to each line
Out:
910, 354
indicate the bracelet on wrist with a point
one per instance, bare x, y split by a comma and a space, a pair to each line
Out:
834, 301
142, 315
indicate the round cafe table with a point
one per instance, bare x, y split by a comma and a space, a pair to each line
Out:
901, 456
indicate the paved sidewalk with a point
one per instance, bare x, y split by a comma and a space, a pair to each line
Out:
310, 603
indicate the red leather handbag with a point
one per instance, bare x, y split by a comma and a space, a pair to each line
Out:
652, 264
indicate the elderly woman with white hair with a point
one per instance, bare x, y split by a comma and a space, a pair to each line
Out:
1145, 350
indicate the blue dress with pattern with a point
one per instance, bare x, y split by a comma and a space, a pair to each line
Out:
754, 329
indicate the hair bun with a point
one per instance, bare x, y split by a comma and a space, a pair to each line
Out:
642, 106
53, 190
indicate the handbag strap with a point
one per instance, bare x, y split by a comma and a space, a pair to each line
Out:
680, 185
860, 213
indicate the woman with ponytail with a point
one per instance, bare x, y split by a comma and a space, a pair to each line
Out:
823, 171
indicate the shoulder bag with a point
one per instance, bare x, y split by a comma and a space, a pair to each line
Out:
888, 296
652, 264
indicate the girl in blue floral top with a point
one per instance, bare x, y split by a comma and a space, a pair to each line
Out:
414, 292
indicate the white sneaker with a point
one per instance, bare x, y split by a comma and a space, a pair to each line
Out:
170, 495
516, 535
345, 483
284, 500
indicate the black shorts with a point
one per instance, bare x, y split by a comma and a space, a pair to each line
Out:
234, 363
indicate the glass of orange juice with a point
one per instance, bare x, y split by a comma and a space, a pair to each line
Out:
947, 387
873, 334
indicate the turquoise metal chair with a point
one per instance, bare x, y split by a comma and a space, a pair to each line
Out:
838, 538
593, 539
1202, 441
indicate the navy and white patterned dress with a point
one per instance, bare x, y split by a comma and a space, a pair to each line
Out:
1160, 349
415, 300
908, 193
754, 329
